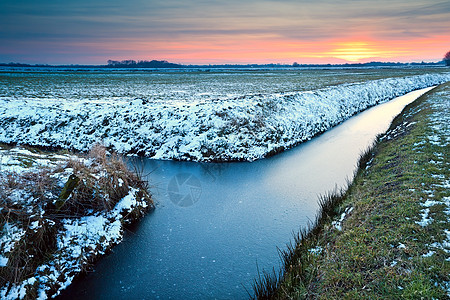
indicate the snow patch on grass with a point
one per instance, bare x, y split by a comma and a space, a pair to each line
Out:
338, 224
426, 220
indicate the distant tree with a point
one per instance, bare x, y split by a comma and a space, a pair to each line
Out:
447, 58
113, 62
295, 64
128, 62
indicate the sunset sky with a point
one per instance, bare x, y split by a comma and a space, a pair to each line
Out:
228, 31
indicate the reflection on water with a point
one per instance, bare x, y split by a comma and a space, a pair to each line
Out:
215, 223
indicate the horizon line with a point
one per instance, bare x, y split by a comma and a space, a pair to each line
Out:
224, 64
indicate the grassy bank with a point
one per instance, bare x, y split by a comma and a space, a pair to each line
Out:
59, 212
388, 235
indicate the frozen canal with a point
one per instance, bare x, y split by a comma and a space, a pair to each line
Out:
214, 223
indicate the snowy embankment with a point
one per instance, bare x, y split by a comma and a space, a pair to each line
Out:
243, 128
43, 246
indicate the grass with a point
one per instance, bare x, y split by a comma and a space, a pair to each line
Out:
368, 242
32, 202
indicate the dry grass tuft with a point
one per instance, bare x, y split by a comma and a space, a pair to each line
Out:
102, 183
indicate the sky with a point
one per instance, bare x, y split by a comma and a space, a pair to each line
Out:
221, 32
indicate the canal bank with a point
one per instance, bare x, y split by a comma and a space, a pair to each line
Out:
389, 235
59, 213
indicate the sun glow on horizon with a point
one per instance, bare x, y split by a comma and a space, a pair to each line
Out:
272, 49
356, 51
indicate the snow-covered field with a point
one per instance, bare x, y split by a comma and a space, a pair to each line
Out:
42, 251
221, 127
175, 86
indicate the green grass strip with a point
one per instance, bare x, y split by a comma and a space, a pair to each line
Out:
388, 235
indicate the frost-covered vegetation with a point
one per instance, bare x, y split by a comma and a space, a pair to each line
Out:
58, 214
192, 124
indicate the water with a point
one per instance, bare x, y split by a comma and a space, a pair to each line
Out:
214, 223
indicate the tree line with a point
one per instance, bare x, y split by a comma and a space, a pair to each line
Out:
129, 63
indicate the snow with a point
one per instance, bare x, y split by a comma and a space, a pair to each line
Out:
244, 127
17, 291
3, 261
425, 219
338, 224
129, 201
429, 254
316, 251
10, 235
430, 203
